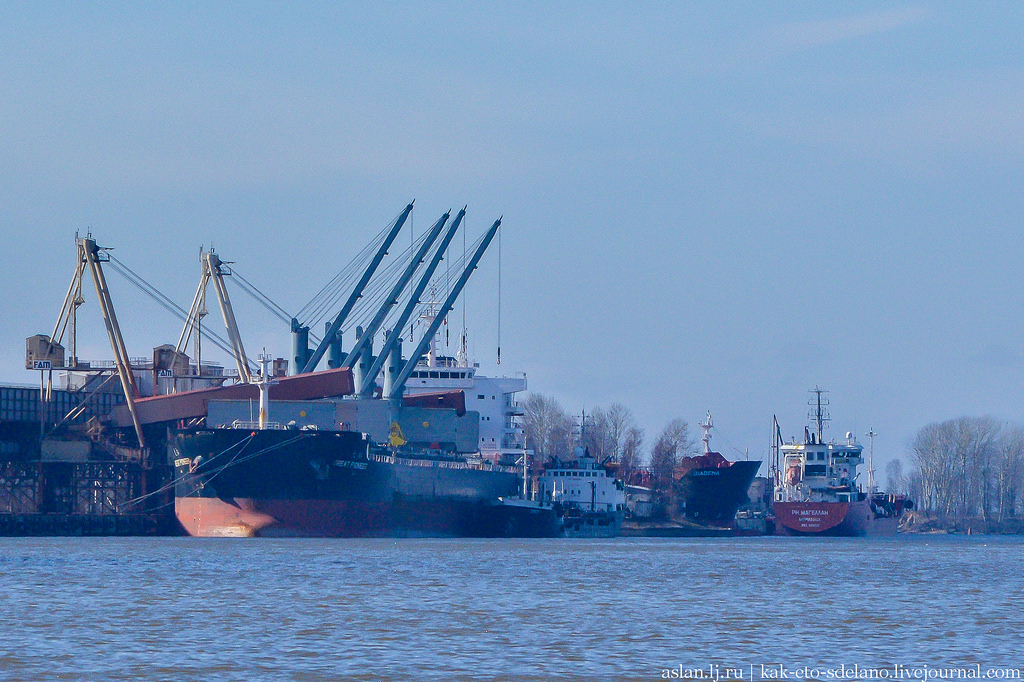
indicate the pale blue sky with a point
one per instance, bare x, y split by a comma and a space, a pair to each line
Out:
707, 206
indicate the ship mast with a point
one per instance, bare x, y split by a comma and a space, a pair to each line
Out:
776, 446
820, 414
872, 488
706, 425
264, 382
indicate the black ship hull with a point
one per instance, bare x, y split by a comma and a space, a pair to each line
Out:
714, 494
233, 482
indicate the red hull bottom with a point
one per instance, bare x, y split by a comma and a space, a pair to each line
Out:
214, 517
831, 519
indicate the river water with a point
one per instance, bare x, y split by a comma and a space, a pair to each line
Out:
636, 609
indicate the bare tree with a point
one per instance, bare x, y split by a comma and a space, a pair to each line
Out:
631, 452
547, 426
595, 435
673, 444
896, 480
956, 462
607, 432
1009, 470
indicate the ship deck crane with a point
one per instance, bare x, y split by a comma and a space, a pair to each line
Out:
398, 385
364, 341
394, 339
357, 292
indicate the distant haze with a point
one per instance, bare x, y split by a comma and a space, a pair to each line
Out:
707, 206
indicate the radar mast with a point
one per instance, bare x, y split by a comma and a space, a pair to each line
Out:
820, 413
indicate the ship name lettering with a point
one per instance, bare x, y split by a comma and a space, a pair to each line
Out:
350, 465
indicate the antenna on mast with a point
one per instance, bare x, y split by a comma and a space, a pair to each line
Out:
776, 443
819, 414
871, 460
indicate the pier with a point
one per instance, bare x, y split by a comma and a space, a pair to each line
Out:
57, 481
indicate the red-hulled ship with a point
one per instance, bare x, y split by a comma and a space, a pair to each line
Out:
262, 479
816, 491
285, 482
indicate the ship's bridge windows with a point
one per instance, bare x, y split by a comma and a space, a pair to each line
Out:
814, 470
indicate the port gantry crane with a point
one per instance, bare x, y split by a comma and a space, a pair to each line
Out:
214, 269
91, 257
364, 365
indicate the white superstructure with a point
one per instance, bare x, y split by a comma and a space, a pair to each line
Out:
816, 471
494, 398
813, 471
584, 484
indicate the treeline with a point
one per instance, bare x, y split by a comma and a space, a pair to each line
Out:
965, 469
611, 434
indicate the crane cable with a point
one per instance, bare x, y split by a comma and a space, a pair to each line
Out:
500, 296
167, 304
261, 298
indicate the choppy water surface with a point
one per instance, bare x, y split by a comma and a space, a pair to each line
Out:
186, 608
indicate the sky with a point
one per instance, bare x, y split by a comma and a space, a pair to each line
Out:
706, 206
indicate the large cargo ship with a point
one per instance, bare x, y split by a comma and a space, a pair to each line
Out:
710, 486
272, 482
262, 479
816, 492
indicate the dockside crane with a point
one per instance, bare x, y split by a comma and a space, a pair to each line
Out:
398, 384
357, 292
394, 340
214, 269
91, 257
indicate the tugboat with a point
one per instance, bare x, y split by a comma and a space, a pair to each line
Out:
591, 499
816, 490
